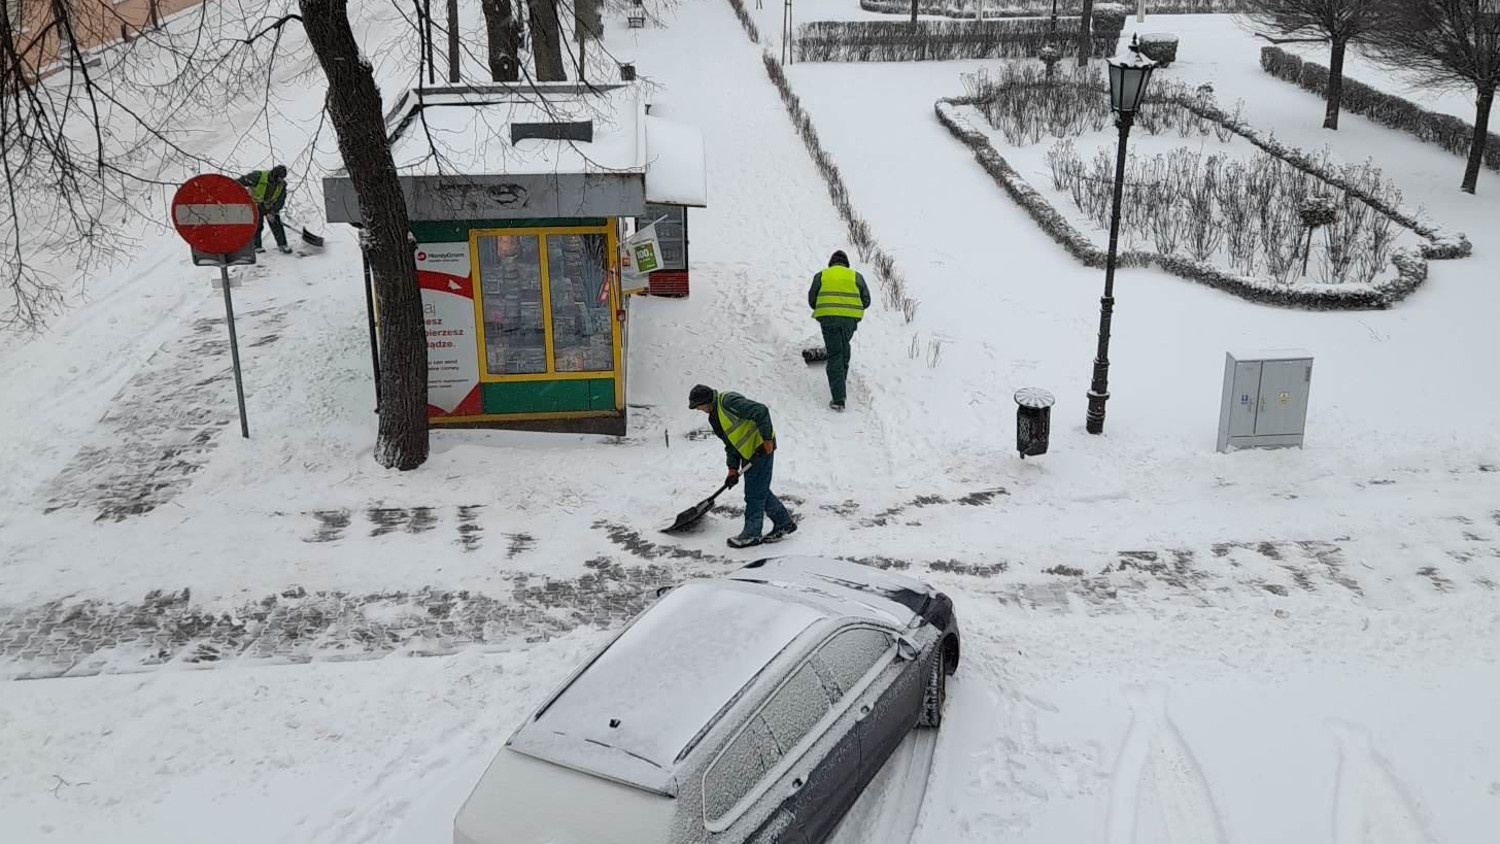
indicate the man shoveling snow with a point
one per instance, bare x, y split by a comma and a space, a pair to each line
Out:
749, 440
268, 189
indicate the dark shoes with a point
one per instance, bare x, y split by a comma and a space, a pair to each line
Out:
781, 533
836, 405
743, 541
285, 250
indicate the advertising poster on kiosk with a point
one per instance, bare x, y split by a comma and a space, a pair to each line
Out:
444, 274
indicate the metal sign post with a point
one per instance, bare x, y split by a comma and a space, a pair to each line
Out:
234, 346
218, 219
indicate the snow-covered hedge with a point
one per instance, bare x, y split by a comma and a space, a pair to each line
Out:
1159, 47
1445, 130
948, 40
1411, 265
745, 20
1038, 8
892, 283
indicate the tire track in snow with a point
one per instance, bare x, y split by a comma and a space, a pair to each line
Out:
1369, 805
1156, 768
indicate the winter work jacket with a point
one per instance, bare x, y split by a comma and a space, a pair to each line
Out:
268, 191
838, 292
742, 424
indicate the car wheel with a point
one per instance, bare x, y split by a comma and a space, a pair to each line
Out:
937, 694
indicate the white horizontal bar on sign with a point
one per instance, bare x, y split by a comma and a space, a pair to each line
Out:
215, 215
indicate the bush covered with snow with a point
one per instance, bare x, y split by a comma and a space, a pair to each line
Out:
745, 20
928, 40
1159, 47
1445, 130
1410, 264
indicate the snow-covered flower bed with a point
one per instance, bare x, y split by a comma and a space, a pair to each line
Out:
1199, 203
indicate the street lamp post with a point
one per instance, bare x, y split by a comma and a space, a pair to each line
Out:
1128, 78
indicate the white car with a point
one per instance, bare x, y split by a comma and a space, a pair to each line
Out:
749, 708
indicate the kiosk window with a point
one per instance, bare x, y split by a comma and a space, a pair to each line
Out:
510, 281
578, 279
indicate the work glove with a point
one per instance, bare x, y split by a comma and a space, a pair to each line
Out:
734, 478
768, 446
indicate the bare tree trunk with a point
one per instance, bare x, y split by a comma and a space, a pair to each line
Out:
453, 56
913, 11
1335, 85
1481, 137
354, 110
546, 40
1086, 33
504, 34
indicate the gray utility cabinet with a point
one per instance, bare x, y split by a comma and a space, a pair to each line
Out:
1265, 399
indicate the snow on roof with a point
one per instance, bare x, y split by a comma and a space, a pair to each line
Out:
469, 131
676, 173
664, 679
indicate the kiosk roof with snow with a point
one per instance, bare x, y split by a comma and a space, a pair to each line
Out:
537, 150
518, 197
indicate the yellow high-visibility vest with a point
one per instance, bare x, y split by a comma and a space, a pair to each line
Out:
838, 294
258, 193
741, 433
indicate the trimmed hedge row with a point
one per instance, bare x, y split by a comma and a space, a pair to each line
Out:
947, 40
1444, 130
1036, 8
745, 20
1411, 265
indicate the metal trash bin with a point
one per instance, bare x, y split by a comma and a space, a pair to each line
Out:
1033, 420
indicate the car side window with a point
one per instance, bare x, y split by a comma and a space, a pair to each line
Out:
752, 753
850, 655
799, 704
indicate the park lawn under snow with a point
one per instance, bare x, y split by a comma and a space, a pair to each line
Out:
1306, 708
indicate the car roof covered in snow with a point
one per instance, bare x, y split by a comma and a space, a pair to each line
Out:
630, 713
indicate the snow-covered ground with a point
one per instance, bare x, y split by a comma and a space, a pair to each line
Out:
1313, 632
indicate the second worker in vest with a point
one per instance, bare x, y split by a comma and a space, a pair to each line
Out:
838, 297
749, 440
268, 189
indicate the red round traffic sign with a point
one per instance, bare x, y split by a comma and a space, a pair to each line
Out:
214, 214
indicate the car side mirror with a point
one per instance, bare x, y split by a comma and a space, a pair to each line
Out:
662, 590
906, 649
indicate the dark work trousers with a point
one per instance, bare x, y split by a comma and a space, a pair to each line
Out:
278, 231
760, 501
837, 332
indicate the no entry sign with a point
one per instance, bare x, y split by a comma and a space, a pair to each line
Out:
214, 214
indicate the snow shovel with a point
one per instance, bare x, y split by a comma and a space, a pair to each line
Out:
689, 517
307, 236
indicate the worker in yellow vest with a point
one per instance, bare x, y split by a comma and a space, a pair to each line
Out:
750, 444
268, 189
838, 297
